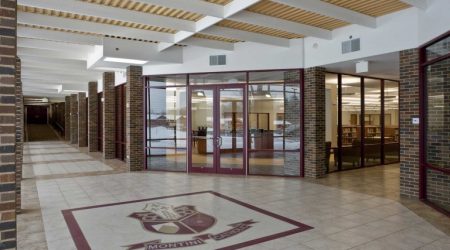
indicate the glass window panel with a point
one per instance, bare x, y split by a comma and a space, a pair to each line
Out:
438, 188
331, 121
351, 122
438, 114
438, 49
391, 123
274, 163
218, 78
166, 129
372, 122
168, 80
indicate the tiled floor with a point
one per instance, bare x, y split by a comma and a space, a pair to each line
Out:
342, 216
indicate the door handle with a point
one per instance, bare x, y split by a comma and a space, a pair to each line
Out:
219, 141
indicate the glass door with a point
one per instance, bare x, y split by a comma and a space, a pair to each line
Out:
217, 129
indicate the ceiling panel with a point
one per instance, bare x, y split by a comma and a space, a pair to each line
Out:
216, 38
258, 29
148, 8
220, 2
373, 8
289, 13
93, 19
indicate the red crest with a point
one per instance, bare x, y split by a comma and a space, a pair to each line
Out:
166, 219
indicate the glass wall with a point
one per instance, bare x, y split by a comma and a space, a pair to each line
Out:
361, 121
166, 123
259, 121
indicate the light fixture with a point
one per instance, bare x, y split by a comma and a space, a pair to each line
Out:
124, 60
268, 95
200, 93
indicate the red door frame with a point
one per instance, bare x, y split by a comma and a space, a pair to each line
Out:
216, 127
423, 165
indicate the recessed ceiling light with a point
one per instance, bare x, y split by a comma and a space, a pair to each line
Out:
124, 60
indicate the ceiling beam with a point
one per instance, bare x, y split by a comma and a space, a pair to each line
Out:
59, 36
246, 36
52, 45
333, 11
194, 41
114, 13
420, 4
280, 24
91, 27
71, 55
52, 63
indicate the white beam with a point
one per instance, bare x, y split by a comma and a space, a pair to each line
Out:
71, 55
56, 78
52, 63
246, 36
333, 11
280, 24
72, 72
91, 27
237, 6
52, 45
103, 11
194, 41
421, 4
59, 36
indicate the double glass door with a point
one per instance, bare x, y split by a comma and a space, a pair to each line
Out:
217, 129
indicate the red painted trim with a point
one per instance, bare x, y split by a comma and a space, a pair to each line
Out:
81, 242
302, 120
216, 72
439, 169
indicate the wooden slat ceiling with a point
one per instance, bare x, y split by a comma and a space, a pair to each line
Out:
373, 8
148, 8
220, 2
296, 15
93, 19
258, 29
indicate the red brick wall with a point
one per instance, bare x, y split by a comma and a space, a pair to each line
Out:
74, 119
93, 117
109, 125
67, 119
19, 134
8, 19
314, 110
409, 133
82, 120
135, 119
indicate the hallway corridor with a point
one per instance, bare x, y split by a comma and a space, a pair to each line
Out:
72, 200
40, 132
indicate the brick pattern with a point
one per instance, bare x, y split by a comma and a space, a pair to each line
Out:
314, 111
82, 120
109, 124
409, 133
8, 19
134, 119
93, 117
292, 115
19, 133
74, 119
67, 119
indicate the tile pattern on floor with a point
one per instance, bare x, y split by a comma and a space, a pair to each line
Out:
341, 219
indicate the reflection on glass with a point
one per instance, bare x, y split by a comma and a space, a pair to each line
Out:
274, 123
166, 129
391, 124
331, 122
438, 114
372, 122
231, 139
168, 80
438, 49
202, 116
218, 78
351, 122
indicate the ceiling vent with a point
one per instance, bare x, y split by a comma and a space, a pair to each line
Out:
351, 46
217, 60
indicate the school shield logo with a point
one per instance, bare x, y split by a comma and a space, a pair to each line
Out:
167, 219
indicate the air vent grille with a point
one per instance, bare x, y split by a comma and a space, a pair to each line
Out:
218, 60
351, 46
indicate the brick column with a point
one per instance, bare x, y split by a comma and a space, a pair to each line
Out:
409, 133
82, 119
109, 116
19, 133
67, 119
8, 19
93, 117
74, 119
134, 119
314, 110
